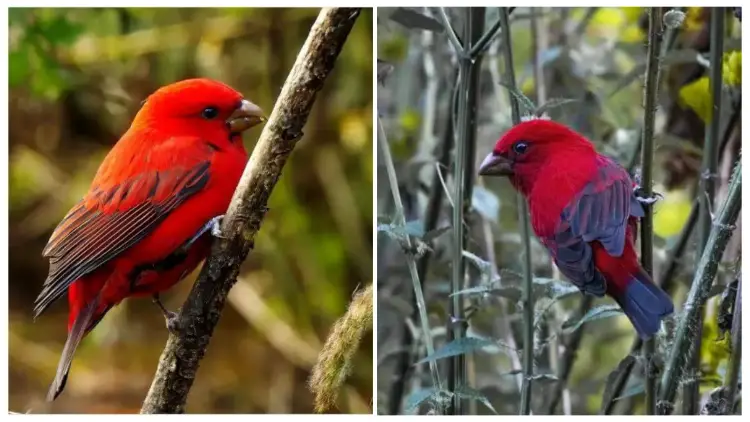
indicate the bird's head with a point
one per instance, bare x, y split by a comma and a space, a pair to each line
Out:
199, 107
524, 150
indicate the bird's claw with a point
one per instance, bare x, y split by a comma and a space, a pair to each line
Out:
641, 197
172, 318
215, 224
172, 322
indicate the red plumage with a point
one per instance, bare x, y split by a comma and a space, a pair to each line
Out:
169, 175
584, 210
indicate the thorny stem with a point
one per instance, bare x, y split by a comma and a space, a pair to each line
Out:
647, 160
527, 297
732, 378
463, 183
707, 191
721, 232
400, 219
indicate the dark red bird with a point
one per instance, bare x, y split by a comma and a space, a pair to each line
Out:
144, 223
584, 209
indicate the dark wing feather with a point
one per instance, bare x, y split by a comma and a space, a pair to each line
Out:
107, 222
598, 213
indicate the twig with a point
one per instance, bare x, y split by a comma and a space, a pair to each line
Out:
523, 214
720, 233
411, 262
452, 36
335, 360
647, 160
463, 184
690, 392
199, 315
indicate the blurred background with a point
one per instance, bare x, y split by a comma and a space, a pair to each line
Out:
77, 77
597, 57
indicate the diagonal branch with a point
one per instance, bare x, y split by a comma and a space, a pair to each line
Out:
200, 314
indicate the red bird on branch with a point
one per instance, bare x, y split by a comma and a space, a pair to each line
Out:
147, 219
585, 210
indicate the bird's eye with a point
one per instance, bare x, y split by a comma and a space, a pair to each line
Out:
520, 147
210, 113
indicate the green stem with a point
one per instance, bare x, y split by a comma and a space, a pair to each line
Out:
526, 297
452, 36
706, 272
732, 379
463, 184
707, 190
647, 160
400, 219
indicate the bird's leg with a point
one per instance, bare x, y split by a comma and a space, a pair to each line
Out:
173, 321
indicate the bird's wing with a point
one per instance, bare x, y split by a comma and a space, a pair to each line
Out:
111, 219
599, 212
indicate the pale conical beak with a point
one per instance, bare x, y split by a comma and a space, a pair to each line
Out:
496, 165
244, 117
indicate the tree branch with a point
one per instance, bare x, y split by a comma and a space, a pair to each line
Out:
199, 315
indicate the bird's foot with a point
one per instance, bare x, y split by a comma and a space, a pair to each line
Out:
214, 225
641, 196
172, 318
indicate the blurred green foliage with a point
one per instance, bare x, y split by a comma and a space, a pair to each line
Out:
77, 77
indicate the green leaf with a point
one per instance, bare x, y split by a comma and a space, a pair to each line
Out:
523, 100
435, 233
553, 103
600, 312
60, 30
18, 66
412, 19
457, 347
625, 364
485, 267
509, 292
634, 390
486, 202
465, 392
397, 231
415, 399
553, 289
384, 70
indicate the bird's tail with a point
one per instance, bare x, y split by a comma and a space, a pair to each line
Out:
645, 304
76, 332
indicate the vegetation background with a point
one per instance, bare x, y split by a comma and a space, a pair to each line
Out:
596, 56
77, 77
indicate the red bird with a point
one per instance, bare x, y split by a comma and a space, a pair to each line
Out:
584, 209
144, 223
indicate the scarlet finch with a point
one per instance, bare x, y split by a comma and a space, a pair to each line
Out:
143, 225
584, 210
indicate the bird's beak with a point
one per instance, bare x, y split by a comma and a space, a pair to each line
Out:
244, 117
496, 165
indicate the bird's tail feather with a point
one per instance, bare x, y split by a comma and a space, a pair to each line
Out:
77, 331
645, 304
